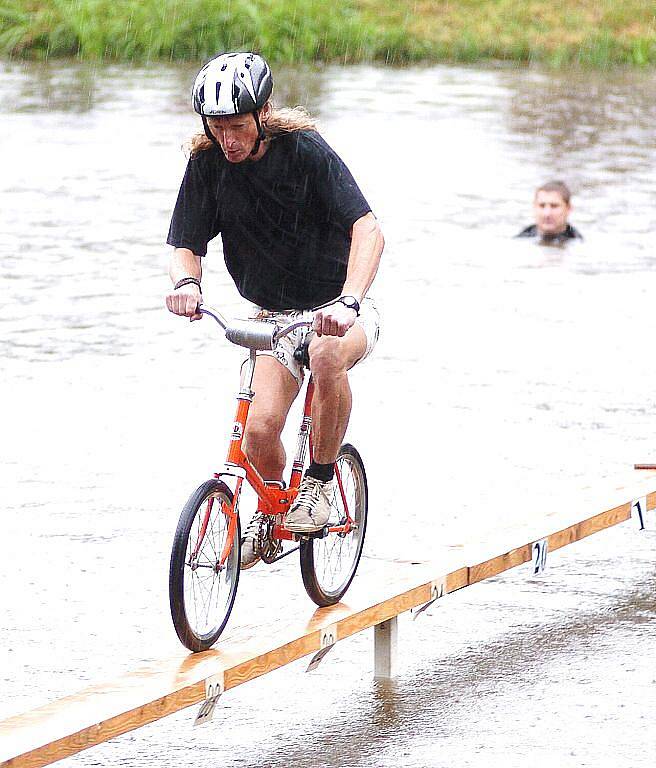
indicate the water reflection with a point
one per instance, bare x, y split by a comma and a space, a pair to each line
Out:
82, 86
37, 87
576, 112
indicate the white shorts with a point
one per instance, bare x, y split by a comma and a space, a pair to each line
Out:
368, 320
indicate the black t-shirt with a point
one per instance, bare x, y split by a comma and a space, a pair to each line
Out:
284, 219
569, 233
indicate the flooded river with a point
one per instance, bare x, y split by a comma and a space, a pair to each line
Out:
507, 374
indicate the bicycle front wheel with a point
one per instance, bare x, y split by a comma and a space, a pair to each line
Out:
328, 565
204, 570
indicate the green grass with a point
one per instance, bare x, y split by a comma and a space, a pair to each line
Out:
284, 30
596, 33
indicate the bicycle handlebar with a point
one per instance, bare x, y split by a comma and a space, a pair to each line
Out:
260, 335
213, 313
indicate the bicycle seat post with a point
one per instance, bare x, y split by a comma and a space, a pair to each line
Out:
247, 372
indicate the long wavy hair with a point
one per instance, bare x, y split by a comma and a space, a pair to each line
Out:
281, 120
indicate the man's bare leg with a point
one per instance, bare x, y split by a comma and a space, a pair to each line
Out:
330, 359
275, 390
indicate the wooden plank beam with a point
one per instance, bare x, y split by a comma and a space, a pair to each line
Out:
99, 713
568, 535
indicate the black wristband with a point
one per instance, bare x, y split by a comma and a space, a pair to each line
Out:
351, 302
187, 281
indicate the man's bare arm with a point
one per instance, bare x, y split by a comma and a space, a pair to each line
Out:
184, 263
367, 245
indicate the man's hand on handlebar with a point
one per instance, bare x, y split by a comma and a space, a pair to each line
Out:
333, 320
185, 302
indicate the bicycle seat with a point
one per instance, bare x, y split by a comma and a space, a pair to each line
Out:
302, 356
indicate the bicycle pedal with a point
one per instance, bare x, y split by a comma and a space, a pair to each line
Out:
320, 534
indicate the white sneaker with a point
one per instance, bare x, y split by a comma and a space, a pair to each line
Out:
311, 509
250, 543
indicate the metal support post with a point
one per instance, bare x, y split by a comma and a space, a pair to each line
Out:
385, 642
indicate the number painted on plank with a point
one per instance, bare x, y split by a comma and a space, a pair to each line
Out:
540, 556
437, 590
328, 636
214, 687
326, 642
638, 509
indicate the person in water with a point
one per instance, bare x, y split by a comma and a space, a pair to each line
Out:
551, 208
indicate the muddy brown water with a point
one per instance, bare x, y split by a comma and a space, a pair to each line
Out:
506, 373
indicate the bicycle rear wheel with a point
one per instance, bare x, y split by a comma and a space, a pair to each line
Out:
328, 565
202, 590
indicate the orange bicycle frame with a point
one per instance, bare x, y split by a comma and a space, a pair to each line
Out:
272, 500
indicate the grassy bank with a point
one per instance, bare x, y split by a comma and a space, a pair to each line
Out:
587, 32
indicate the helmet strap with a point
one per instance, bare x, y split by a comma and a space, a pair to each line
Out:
260, 133
209, 133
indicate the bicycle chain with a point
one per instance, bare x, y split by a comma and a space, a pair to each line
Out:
269, 547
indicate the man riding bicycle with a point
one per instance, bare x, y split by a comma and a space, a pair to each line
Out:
297, 234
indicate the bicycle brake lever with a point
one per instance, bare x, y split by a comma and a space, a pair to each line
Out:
203, 309
290, 329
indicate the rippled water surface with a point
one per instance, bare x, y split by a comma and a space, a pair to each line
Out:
507, 375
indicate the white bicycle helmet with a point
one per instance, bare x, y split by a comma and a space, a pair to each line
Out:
233, 84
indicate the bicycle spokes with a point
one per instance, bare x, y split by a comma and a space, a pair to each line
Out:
345, 519
328, 564
204, 566
203, 527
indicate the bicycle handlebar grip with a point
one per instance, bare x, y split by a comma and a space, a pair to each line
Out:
253, 334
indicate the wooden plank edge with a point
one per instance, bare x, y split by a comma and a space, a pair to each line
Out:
585, 528
242, 672
568, 535
291, 651
351, 624
92, 735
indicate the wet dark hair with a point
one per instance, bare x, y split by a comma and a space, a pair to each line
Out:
281, 120
556, 186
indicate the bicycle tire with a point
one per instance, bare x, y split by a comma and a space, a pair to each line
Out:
328, 564
187, 581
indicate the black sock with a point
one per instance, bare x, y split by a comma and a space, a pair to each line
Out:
323, 472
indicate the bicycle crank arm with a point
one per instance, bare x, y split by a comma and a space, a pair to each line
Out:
284, 554
320, 534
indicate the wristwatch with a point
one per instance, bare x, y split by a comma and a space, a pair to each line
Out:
351, 302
